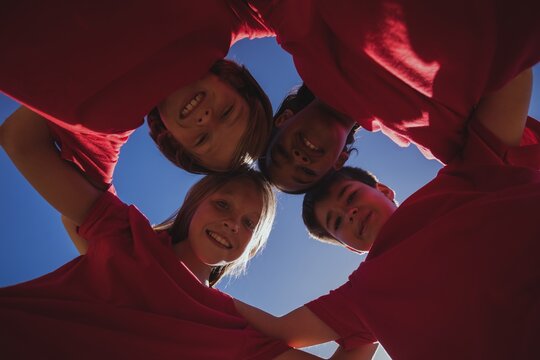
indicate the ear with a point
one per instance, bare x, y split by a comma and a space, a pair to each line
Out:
389, 193
342, 158
285, 115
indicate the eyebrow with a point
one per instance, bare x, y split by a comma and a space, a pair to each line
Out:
342, 191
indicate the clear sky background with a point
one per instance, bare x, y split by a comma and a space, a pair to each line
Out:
292, 270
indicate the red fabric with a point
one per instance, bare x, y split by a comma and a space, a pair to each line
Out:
462, 279
410, 68
92, 66
104, 66
96, 68
95, 154
129, 297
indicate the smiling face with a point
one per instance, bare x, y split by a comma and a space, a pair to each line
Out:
354, 212
208, 118
307, 145
223, 224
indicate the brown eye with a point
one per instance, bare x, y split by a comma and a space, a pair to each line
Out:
249, 224
202, 139
227, 112
222, 204
351, 197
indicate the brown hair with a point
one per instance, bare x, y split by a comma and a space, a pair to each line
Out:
321, 191
253, 141
177, 225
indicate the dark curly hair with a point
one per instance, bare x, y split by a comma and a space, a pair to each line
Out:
255, 137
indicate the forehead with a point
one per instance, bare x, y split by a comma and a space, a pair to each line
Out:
334, 199
242, 190
332, 194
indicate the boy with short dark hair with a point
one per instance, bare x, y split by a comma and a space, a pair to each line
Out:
453, 271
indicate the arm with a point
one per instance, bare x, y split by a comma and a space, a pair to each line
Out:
26, 139
71, 229
504, 112
299, 328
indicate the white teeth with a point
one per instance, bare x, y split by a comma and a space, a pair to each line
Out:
220, 239
309, 144
192, 104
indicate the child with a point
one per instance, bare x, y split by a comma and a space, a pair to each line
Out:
331, 214
411, 69
139, 292
293, 162
453, 271
97, 70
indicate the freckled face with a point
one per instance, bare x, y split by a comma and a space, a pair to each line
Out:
223, 224
354, 212
208, 118
307, 146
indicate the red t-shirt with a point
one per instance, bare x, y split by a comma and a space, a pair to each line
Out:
95, 154
96, 69
104, 66
128, 297
412, 69
454, 272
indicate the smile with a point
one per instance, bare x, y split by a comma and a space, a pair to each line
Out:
219, 239
192, 104
309, 144
363, 224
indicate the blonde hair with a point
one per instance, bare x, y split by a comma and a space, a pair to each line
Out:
177, 225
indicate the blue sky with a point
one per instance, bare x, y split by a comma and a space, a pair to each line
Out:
292, 270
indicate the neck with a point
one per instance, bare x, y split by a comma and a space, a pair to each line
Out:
194, 264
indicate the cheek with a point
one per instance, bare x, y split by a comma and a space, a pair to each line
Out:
165, 108
389, 209
246, 239
200, 219
183, 137
194, 227
384, 215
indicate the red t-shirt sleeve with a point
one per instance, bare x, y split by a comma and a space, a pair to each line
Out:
259, 346
338, 310
108, 219
483, 147
94, 154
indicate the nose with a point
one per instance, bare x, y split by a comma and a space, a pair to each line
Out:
205, 117
301, 157
351, 213
231, 226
